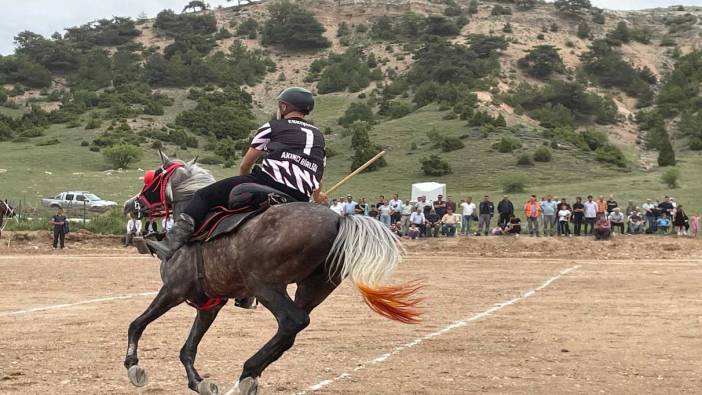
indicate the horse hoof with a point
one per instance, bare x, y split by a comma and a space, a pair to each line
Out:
137, 376
248, 386
207, 388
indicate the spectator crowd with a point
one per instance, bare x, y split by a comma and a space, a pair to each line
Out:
547, 216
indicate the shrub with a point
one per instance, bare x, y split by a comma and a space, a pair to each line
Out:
584, 30
293, 27
542, 154
339, 72
524, 160
513, 183
671, 177
449, 144
363, 149
398, 109
572, 7
609, 153
506, 144
595, 138
248, 28
473, 7
93, 123
435, 166
84, 143
48, 142
121, 155
500, 10
666, 154
358, 111
541, 61
210, 160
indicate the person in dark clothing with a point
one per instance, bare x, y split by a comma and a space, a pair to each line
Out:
578, 215
59, 221
293, 158
487, 210
506, 210
611, 204
150, 227
514, 227
433, 224
440, 206
666, 206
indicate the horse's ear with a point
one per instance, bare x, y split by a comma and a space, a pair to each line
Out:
164, 158
192, 162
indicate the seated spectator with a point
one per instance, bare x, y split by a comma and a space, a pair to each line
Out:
413, 231
433, 224
603, 228
133, 229
663, 223
396, 228
448, 223
497, 231
418, 220
616, 218
514, 227
637, 224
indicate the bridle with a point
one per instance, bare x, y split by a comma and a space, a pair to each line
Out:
155, 196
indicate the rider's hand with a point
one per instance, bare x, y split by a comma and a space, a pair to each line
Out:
321, 197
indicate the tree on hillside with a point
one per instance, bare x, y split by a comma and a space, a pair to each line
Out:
293, 27
572, 7
195, 5
525, 4
666, 154
541, 61
363, 149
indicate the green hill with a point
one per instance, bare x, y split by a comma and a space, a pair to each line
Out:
607, 91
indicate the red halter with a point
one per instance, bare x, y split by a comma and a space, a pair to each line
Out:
153, 195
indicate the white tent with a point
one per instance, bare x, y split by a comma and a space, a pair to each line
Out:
429, 189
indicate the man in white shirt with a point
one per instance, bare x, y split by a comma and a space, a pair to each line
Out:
396, 208
337, 207
650, 214
468, 209
133, 229
349, 206
590, 214
418, 219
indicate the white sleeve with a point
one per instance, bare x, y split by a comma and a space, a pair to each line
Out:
262, 138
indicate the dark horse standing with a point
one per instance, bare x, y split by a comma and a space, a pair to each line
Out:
5, 211
302, 243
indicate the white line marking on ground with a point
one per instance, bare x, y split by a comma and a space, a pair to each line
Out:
68, 305
444, 330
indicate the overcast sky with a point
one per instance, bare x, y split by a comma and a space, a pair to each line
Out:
48, 16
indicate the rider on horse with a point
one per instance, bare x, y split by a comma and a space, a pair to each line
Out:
294, 164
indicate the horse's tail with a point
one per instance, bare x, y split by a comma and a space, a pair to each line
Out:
367, 251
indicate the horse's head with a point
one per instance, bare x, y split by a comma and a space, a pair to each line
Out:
7, 210
174, 182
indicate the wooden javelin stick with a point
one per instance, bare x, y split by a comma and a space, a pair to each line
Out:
360, 169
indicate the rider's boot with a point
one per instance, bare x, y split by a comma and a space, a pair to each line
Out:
245, 303
178, 236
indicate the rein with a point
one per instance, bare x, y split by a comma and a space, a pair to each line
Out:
155, 196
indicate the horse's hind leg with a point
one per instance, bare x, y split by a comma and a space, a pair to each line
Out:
164, 301
187, 354
291, 320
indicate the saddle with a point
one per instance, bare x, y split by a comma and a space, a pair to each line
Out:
245, 202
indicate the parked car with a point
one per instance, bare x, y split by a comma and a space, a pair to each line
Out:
78, 199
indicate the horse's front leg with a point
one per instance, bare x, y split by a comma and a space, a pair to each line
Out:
291, 320
164, 301
189, 351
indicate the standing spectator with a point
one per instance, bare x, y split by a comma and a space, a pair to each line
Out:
150, 227
433, 224
448, 223
337, 207
506, 210
419, 220
361, 207
650, 213
405, 216
440, 206
578, 215
450, 204
60, 225
636, 223
694, 226
426, 206
133, 229
532, 211
373, 211
590, 215
381, 199
616, 219
564, 220
349, 206
487, 210
549, 208
514, 227
680, 221
563, 205
468, 210
611, 204
666, 207
603, 228
601, 206
396, 208
630, 208
385, 212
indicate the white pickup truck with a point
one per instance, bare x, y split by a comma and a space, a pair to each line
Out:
78, 199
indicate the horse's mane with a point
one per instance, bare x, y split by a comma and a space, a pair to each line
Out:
197, 178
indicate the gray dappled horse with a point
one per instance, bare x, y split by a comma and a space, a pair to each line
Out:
302, 243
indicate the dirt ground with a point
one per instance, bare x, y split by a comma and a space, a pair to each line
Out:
501, 315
